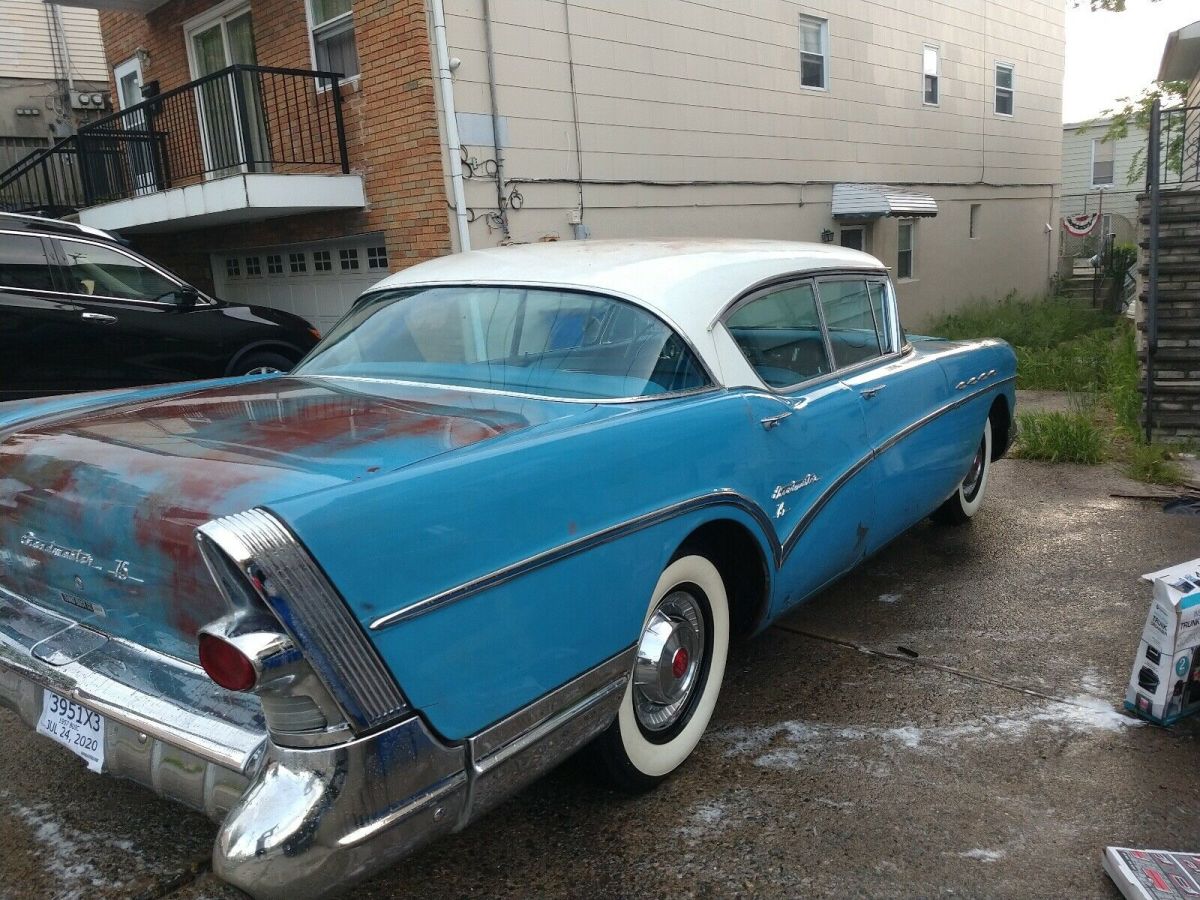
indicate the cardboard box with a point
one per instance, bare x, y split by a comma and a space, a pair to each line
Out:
1153, 874
1165, 683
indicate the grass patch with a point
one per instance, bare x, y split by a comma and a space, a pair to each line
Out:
1072, 437
1152, 463
1068, 346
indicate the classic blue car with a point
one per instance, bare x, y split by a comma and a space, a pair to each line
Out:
516, 503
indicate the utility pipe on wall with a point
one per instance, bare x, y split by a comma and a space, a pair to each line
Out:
497, 148
453, 145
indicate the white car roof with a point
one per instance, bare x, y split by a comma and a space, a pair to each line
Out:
687, 281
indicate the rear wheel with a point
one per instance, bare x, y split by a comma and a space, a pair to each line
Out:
966, 500
263, 362
676, 677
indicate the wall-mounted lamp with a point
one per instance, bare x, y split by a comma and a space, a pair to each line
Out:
827, 236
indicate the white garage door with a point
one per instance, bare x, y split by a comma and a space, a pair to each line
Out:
317, 281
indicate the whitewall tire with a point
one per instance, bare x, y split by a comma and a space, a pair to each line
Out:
966, 500
677, 676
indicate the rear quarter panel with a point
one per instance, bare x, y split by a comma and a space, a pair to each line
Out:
435, 526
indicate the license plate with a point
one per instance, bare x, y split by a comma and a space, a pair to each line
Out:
76, 727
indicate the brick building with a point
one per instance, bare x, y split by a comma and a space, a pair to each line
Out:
926, 133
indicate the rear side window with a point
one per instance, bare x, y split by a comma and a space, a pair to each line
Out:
856, 316
781, 337
23, 263
105, 272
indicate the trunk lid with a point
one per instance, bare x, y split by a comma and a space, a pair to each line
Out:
98, 512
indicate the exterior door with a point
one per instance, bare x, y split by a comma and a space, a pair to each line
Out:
139, 156
41, 334
233, 127
814, 452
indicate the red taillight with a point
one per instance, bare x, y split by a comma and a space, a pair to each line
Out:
226, 664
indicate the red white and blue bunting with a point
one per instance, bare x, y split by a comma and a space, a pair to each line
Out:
1081, 225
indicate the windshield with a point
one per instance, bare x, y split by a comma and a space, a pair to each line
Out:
552, 343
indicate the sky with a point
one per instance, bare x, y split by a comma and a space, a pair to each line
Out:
1113, 55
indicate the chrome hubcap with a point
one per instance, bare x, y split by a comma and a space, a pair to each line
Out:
670, 654
265, 370
971, 483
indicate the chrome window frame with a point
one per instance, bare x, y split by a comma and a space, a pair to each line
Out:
174, 279
714, 383
898, 338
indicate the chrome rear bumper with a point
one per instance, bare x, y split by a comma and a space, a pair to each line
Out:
296, 823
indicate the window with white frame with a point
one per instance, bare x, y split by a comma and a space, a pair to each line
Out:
334, 46
1004, 89
814, 52
931, 68
905, 247
1103, 162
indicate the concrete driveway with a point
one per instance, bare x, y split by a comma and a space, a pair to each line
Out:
994, 763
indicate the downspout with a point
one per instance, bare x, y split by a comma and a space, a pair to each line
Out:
453, 145
497, 150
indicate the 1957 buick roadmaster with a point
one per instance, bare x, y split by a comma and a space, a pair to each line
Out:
517, 502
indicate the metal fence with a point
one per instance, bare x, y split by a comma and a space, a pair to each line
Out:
240, 119
1177, 155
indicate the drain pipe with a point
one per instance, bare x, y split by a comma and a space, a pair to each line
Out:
453, 145
497, 149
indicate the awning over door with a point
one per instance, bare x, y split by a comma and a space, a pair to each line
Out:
871, 201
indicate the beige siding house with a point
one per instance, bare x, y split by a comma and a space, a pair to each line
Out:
49, 55
688, 117
1096, 174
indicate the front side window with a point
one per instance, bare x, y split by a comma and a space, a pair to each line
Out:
930, 65
904, 249
1004, 89
856, 317
334, 45
814, 52
780, 335
565, 344
105, 272
23, 263
1103, 162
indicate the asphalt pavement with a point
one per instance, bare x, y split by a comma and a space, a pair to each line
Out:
995, 762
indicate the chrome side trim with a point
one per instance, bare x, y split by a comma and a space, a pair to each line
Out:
311, 611
723, 496
518, 749
806, 520
467, 389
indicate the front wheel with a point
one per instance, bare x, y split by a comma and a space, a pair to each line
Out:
966, 500
675, 680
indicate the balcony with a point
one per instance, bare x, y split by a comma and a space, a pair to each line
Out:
242, 144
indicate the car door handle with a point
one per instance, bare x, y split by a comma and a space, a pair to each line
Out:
98, 318
771, 421
872, 391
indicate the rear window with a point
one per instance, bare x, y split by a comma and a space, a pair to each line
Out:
563, 344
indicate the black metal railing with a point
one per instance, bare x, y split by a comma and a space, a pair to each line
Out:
1178, 154
240, 119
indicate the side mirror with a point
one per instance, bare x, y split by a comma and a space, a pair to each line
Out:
188, 296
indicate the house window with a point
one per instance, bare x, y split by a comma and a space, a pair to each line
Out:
349, 258
974, 226
377, 258
334, 47
321, 261
1004, 89
252, 266
904, 253
298, 263
1103, 162
931, 66
233, 267
814, 52
274, 264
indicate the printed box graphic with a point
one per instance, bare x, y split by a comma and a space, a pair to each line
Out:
1165, 682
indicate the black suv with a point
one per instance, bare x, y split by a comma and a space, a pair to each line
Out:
79, 312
